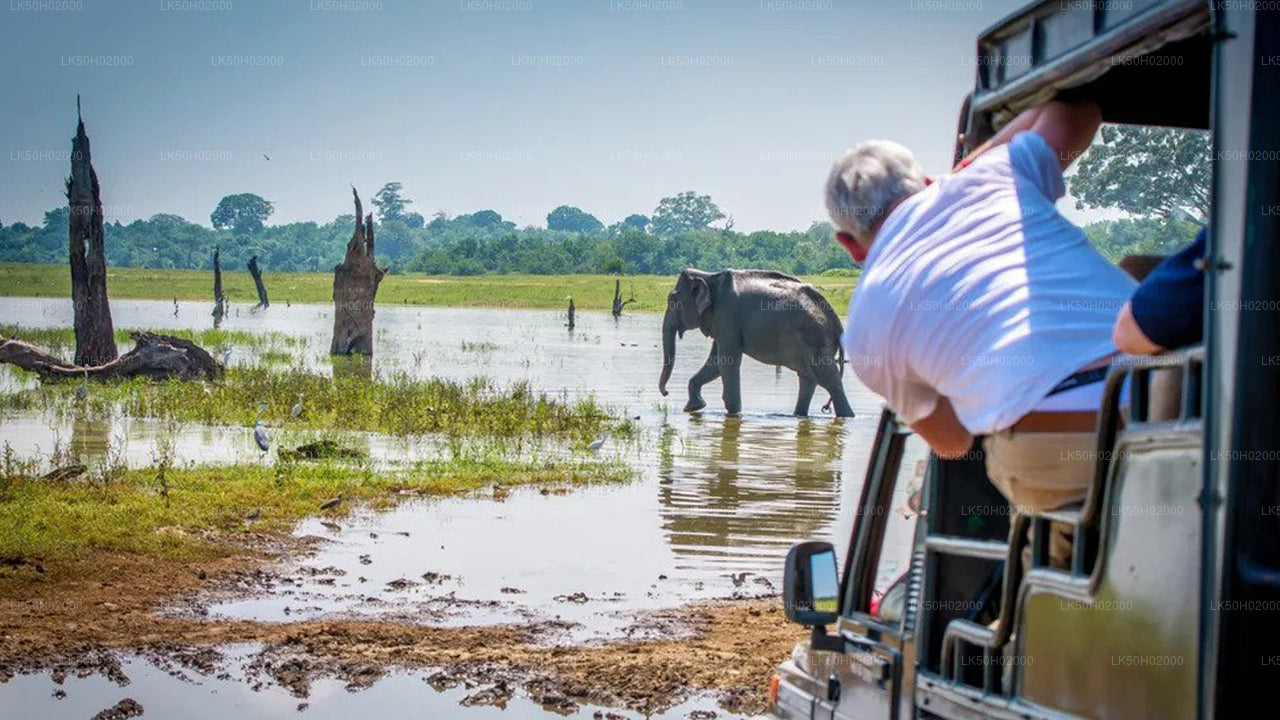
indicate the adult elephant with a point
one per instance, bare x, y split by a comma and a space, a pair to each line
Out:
771, 317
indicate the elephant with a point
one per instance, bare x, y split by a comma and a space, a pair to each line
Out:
771, 317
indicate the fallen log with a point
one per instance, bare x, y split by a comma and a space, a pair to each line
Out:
153, 356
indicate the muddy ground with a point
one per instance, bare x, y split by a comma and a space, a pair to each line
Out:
73, 618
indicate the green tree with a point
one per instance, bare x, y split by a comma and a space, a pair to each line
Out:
572, 219
390, 202
244, 214
685, 212
483, 219
1140, 236
1146, 171
635, 222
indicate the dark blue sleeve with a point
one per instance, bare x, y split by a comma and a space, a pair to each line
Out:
1169, 305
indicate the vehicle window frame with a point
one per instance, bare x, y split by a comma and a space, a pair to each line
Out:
867, 542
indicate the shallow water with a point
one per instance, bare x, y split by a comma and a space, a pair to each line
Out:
717, 502
177, 692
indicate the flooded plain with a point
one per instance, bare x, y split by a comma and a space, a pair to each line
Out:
715, 504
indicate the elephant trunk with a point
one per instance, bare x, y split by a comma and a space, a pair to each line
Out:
668, 350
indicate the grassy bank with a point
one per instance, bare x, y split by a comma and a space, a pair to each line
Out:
183, 512
347, 401
589, 292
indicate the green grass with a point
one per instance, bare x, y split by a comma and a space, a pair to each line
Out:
59, 340
350, 400
589, 292
171, 515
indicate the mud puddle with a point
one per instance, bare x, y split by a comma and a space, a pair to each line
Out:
239, 681
585, 560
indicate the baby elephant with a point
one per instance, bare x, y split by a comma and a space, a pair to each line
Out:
771, 317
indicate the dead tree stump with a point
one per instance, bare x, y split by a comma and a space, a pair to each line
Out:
355, 287
219, 300
618, 302
256, 272
572, 312
95, 335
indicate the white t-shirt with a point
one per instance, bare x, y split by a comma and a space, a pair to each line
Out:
977, 290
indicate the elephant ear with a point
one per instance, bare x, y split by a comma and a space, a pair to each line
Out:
701, 295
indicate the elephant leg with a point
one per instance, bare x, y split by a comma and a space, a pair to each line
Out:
807, 386
731, 379
833, 383
709, 371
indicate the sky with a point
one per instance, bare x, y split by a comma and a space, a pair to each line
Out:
514, 105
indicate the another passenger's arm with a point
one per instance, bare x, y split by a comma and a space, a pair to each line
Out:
942, 430
1129, 337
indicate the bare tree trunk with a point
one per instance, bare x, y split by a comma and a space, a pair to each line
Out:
617, 297
95, 335
571, 313
256, 272
153, 356
219, 300
355, 287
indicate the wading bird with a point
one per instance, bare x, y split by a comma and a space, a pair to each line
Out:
596, 444
82, 392
331, 504
226, 356
260, 431
297, 407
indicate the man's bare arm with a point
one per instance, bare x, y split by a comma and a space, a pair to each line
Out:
1068, 128
942, 430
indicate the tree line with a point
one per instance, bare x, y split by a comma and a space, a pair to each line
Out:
684, 230
1158, 175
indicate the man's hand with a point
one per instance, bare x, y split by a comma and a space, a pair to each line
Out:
947, 438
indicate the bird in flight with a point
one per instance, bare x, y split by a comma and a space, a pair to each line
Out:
268, 157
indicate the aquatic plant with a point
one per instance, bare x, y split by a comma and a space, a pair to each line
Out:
400, 404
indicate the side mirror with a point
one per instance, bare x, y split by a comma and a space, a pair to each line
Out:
811, 584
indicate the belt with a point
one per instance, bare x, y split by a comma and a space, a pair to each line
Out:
1051, 421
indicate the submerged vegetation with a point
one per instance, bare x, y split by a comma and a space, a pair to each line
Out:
184, 512
484, 435
398, 405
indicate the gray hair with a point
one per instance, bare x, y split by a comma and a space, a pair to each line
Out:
866, 181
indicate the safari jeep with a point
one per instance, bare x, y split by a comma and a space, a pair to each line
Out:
1170, 605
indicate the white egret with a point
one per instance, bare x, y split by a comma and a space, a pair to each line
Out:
596, 444
260, 431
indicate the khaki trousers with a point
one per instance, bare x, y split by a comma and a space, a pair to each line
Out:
1042, 471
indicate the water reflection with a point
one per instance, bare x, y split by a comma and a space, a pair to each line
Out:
90, 438
743, 489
